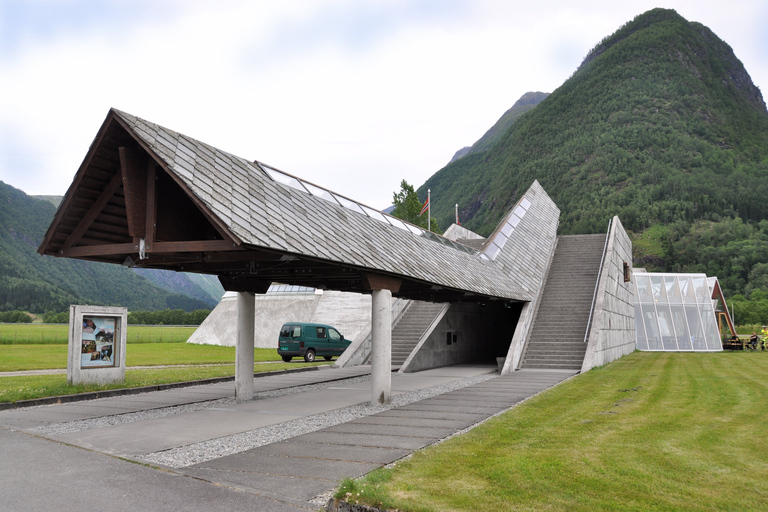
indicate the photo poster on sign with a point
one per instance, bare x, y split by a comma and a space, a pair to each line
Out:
98, 339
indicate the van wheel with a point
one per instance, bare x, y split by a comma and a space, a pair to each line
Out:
287, 359
309, 356
327, 358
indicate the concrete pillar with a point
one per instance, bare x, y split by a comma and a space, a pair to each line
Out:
381, 352
246, 309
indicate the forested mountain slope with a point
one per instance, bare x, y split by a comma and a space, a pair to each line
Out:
661, 125
31, 282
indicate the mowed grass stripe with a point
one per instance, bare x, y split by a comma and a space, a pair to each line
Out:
651, 431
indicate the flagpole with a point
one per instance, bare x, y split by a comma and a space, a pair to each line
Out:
429, 210
457, 214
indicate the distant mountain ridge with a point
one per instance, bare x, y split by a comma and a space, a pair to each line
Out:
526, 102
36, 283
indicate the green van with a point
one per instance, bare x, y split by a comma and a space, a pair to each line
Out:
309, 341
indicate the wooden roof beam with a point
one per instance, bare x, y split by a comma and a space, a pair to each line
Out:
94, 211
134, 169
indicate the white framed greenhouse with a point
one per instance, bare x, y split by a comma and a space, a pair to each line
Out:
675, 312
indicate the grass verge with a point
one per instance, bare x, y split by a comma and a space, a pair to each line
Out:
651, 431
44, 357
27, 387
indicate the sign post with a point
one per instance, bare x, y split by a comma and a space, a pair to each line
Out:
97, 336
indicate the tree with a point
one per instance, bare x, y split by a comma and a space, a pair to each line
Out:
408, 206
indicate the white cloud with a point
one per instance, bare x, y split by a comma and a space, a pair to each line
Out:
352, 95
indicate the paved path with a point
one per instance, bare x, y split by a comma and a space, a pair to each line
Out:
38, 474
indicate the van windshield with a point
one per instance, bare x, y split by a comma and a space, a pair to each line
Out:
334, 334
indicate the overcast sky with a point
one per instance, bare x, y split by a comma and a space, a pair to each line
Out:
354, 95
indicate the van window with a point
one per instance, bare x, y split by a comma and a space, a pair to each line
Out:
334, 334
296, 331
321, 332
285, 332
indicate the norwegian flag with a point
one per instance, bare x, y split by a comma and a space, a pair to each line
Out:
425, 207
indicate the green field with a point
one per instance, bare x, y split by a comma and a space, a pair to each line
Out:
44, 357
38, 386
27, 334
651, 431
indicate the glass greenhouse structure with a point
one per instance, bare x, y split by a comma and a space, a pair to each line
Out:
675, 312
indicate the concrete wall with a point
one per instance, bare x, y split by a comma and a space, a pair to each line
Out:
482, 334
348, 312
612, 333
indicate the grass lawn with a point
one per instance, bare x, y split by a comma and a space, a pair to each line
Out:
38, 386
43, 357
27, 334
651, 431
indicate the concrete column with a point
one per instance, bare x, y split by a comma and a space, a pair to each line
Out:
246, 310
381, 352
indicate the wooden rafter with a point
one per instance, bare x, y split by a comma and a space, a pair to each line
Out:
94, 211
134, 169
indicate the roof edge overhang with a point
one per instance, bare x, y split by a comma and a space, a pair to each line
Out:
113, 116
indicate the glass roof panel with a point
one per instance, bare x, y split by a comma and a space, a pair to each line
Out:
414, 229
319, 192
519, 211
514, 220
500, 239
525, 203
492, 250
397, 222
507, 229
374, 214
283, 178
351, 205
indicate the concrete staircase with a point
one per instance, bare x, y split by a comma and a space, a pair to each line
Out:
557, 338
408, 331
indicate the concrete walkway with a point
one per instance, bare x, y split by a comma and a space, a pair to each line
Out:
37, 474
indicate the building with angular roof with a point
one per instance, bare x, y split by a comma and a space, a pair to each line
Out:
676, 312
151, 197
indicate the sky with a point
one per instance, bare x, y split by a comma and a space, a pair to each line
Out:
352, 95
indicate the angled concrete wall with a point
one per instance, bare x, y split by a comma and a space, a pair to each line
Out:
348, 312
612, 333
527, 254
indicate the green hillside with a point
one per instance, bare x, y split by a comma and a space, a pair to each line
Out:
31, 282
661, 125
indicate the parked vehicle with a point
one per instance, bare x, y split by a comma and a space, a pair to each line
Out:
310, 341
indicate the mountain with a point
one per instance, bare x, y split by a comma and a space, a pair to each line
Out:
196, 286
661, 125
526, 102
36, 283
